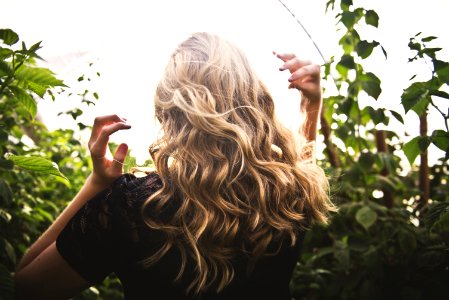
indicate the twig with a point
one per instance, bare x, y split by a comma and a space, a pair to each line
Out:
305, 30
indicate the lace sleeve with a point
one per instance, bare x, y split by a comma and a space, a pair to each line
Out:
91, 242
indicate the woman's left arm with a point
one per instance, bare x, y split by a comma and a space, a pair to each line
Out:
42, 273
305, 76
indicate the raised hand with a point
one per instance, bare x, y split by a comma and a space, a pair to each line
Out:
106, 167
305, 76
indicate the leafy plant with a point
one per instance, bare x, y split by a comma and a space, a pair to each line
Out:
389, 239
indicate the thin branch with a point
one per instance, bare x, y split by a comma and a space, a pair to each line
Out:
305, 30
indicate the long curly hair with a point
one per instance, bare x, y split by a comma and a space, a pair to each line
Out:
243, 181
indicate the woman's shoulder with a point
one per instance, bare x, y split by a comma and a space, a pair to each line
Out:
129, 184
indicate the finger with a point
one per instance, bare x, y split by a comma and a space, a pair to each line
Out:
119, 157
311, 70
101, 121
98, 147
284, 56
294, 64
108, 130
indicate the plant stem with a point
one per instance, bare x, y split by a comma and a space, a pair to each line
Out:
381, 146
424, 183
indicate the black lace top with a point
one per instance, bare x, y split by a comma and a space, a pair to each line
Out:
108, 235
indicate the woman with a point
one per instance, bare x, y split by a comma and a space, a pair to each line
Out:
223, 215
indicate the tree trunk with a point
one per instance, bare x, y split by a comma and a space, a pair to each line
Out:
381, 146
330, 147
424, 182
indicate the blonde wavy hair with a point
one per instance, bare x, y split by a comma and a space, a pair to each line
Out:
240, 177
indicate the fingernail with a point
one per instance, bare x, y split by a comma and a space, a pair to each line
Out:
281, 69
290, 79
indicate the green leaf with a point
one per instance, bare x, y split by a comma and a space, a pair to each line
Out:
8, 36
5, 53
442, 70
440, 94
365, 48
384, 52
371, 18
7, 249
36, 164
25, 100
414, 94
5, 192
5, 216
347, 61
5, 69
349, 18
397, 116
37, 79
430, 51
442, 224
345, 4
411, 149
423, 143
377, 115
371, 84
366, 217
440, 139
428, 39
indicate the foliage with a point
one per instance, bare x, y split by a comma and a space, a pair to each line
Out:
40, 170
390, 238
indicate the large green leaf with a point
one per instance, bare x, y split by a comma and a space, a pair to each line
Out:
25, 100
8, 36
366, 217
36, 164
365, 48
411, 149
440, 138
37, 79
371, 18
416, 97
371, 84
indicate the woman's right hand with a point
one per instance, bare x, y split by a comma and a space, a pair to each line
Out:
106, 168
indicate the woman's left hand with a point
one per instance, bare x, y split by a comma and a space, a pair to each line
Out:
107, 168
305, 76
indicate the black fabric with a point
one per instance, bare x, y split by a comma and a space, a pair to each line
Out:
108, 235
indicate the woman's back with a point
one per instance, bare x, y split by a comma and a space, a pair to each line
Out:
109, 235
